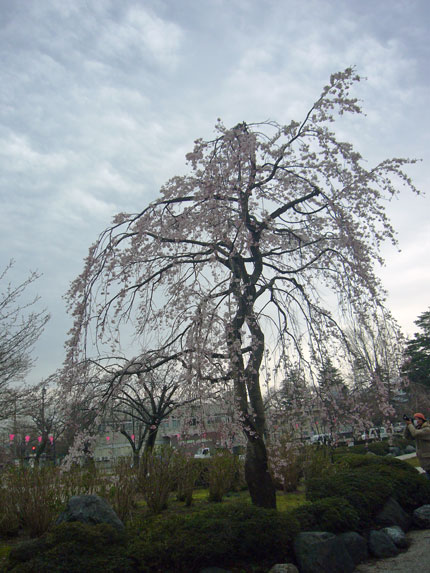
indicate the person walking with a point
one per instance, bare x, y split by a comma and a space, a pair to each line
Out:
419, 430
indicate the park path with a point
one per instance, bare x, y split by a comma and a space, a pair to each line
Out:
416, 558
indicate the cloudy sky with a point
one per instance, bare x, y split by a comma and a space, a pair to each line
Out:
101, 99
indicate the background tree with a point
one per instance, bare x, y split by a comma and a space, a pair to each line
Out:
135, 391
376, 347
20, 327
44, 407
417, 354
230, 260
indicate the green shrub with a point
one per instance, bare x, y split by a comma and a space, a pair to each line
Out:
187, 471
409, 488
122, 494
317, 461
334, 514
156, 477
34, 495
236, 534
222, 470
363, 489
73, 548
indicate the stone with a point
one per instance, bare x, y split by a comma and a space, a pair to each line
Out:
397, 536
322, 552
214, 570
356, 546
421, 517
284, 568
410, 449
394, 450
393, 514
90, 509
381, 546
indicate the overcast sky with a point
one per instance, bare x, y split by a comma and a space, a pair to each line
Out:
101, 99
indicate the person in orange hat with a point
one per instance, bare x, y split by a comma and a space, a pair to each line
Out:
419, 429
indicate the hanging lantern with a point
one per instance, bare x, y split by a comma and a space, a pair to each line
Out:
39, 439
27, 439
51, 439
107, 438
132, 437
11, 437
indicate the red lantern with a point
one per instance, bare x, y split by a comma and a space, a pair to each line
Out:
11, 437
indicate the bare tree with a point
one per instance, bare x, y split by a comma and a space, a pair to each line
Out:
20, 328
134, 390
44, 406
230, 260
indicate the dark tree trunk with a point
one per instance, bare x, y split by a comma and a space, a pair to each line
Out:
150, 440
136, 458
260, 484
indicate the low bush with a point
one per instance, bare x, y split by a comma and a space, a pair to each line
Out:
366, 491
34, 495
222, 471
224, 534
187, 471
334, 514
408, 487
73, 547
156, 477
122, 494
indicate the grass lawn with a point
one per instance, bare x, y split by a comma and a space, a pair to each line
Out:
284, 501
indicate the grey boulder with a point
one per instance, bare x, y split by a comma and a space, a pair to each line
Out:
322, 552
381, 545
421, 517
397, 536
90, 509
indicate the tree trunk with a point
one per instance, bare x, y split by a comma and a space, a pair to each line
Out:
136, 458
257, 476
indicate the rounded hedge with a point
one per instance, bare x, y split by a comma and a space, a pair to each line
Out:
365, 491
73, 548
333, 514
236, 534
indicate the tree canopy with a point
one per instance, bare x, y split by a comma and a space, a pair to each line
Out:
235, 258
20, 327
417, 364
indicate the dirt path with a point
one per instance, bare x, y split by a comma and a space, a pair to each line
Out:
416, 558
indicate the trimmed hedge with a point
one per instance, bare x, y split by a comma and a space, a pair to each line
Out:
333, 514
365, 491
223, 535
408, 487
73, 547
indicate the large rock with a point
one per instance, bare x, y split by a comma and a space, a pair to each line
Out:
410, 449
356, 546
421, 517
381, 545
397, 536
214, 570
284, 568
90, 509
322, 552
394, 450
393, 514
